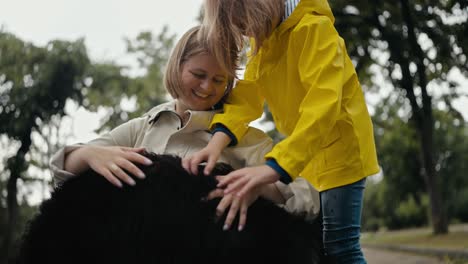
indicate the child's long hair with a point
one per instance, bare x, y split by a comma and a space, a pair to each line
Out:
226, 22
189, 45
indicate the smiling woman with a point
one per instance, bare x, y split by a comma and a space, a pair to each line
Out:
194, 77
202, 77
204, 83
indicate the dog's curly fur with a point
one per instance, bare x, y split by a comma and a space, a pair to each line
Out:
162, 219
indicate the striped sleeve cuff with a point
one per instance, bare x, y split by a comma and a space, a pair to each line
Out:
284, 175
221, 128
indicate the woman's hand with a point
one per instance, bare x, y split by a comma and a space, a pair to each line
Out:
243, 187
109, 161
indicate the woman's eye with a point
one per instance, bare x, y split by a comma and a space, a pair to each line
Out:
198, 75
218, 81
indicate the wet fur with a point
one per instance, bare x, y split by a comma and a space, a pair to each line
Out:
162, 219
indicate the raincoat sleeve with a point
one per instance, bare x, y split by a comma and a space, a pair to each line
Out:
122, 135
244, 105
321, 59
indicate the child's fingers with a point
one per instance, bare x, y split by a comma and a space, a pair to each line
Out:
243, 215
247, 188
227, 179
232, 213
223, 204
186, 164
194, 162
210, 164
217, 193
236, 185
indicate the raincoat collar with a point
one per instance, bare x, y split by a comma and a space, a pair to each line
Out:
318, 7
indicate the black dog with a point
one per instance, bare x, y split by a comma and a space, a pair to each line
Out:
162, 219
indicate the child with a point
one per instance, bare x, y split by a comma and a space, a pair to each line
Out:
300, 67
180, 127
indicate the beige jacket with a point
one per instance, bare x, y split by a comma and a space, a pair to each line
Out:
160, 130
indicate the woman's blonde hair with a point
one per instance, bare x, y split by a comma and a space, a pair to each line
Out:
226, 22
189, 45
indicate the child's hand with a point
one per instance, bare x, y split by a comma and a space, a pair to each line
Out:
233, 201
210, 154
111, 162
244, 186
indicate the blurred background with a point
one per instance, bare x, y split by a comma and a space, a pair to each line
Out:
70, 70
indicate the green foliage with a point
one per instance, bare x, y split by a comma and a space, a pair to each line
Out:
398, 151
399, 200
146, 90
152, 53
386, 26
459, 207
452, 154
36, 81
374, 206
411, 213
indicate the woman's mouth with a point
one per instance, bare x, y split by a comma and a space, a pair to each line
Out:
201, 95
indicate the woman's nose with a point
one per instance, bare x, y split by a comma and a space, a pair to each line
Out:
205, 85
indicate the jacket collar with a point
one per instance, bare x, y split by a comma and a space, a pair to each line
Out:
155, 112
198, 120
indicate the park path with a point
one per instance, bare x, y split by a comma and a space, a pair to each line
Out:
381, 256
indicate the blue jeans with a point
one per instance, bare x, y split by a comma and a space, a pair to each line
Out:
341, 209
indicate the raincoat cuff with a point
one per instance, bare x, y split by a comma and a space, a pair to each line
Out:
284, 175
221, 128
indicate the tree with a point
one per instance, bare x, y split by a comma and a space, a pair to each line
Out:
413, 44
395, 138
35, 83
145, 90
397, 147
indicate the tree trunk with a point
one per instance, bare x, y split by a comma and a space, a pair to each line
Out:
425, 125
438, 215
16, 165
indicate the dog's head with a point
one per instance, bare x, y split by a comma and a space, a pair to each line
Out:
162, 219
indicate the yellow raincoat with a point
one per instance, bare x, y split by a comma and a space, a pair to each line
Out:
304, 74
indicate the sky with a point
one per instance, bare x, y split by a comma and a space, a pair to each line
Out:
103, 23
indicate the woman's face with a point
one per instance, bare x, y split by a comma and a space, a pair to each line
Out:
203, 83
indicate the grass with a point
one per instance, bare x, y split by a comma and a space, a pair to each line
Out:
456, 239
